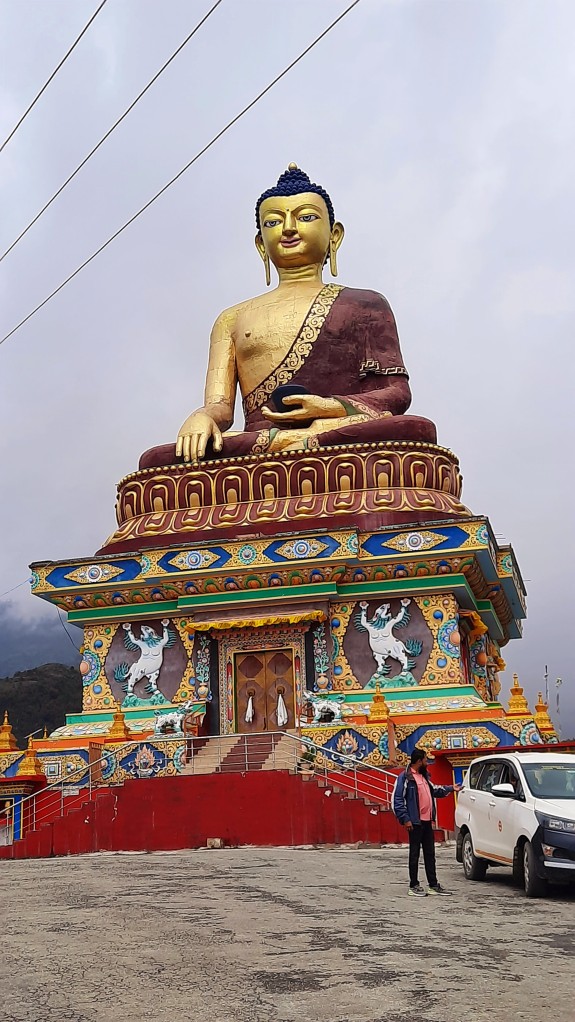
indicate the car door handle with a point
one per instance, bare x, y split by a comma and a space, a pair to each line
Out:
472, 798
493, 804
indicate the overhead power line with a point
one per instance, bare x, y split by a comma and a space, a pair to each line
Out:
176, 177
14, 588
61, 620
109, 132
53, 75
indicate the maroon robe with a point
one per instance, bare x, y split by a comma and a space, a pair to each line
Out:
353, 356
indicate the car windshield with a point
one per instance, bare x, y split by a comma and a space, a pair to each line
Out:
551, 780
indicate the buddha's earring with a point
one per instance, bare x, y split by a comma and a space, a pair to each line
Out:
332, 258
266, 260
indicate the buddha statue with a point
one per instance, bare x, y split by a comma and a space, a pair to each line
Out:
318, 365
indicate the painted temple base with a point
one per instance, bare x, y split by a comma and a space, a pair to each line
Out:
367, 642
371, 485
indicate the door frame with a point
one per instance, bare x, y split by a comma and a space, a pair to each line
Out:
266, 639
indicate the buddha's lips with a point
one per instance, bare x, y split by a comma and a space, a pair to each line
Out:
290, 242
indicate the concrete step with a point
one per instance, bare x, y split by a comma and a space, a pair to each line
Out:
284, 756
208, 759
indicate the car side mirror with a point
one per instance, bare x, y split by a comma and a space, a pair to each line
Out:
503, 791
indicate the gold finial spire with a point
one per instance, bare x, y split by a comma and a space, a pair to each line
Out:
29, 765
8, 742
379, 710
518, 705
119, 729
293, 166
543, 721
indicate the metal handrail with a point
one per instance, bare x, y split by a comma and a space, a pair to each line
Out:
337, 757
340, 770
31, 801
357, 776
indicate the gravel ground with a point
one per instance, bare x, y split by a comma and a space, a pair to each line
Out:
250, 935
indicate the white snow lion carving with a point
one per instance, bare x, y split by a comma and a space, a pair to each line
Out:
383, 642
149, 663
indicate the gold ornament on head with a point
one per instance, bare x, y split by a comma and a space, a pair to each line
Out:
293, 166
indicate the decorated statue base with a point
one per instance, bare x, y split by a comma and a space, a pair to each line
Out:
298, 633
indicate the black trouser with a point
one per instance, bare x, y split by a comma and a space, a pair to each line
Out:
421, 837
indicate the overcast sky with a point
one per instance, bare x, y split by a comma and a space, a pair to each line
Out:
444, 132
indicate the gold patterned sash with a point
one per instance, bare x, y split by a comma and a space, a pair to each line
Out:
299, 351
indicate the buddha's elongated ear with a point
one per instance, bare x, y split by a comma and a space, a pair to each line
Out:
259, 242
335, 240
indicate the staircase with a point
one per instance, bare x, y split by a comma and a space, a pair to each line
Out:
242, 753
243, 789
283, 755
207, 758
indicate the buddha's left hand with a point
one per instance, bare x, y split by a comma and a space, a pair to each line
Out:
306, 407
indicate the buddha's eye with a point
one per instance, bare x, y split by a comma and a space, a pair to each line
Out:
271, 223
308, 217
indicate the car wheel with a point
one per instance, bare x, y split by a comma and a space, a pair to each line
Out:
535, 886
518, 874
473, 868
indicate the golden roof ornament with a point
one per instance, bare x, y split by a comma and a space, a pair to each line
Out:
119, 729
542, 719
30, 765
379, 710
518, 705
8, 742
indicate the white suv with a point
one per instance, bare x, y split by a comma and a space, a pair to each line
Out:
518, 809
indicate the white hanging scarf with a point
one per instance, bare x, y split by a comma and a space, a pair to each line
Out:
282, 713
249, 711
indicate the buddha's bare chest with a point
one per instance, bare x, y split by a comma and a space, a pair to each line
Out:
264, 332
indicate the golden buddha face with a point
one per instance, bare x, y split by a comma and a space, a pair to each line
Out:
295, 230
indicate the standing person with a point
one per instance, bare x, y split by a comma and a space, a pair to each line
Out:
414, 805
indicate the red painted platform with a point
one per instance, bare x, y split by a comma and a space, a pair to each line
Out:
263, 808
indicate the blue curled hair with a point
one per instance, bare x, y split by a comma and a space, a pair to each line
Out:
293, 182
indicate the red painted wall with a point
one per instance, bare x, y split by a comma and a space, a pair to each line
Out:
266, 808
441, 772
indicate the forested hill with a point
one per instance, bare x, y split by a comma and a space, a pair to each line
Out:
40, 697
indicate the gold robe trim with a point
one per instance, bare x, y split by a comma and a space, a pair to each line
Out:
299, 351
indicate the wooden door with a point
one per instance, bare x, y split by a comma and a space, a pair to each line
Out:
279, 681
264, 676
250, 683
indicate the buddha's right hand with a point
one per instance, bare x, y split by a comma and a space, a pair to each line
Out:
194, 435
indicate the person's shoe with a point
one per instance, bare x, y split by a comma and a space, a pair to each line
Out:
417, 892
438, 889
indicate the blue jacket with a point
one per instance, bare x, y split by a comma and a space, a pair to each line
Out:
405, 799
